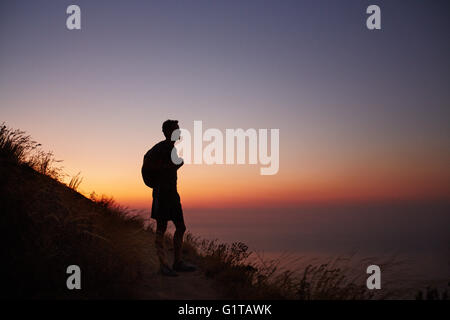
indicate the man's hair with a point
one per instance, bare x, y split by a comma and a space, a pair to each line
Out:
168, 127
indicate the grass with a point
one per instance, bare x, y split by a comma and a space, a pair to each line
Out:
54, 229
246, 275
18, 147
47, 226
75, 181
433, 294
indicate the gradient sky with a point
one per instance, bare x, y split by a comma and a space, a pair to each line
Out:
363, 115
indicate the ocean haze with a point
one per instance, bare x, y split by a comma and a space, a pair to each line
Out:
416, 234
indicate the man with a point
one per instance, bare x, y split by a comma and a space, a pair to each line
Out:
166, 200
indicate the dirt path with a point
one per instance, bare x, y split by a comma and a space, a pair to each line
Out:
187, 286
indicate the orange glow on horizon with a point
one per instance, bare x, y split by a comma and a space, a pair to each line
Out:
228, 187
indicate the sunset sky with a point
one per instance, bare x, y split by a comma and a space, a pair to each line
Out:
363, 115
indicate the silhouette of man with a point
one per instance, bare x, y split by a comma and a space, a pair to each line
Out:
166, 204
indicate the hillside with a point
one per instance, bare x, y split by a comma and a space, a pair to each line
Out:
46, 226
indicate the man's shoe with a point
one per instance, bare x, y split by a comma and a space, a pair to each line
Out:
182, 266
167, 271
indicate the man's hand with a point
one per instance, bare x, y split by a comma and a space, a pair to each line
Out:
181, 164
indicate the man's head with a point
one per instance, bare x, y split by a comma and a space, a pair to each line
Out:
168, 127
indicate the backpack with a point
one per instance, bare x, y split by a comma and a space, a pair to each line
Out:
149, 170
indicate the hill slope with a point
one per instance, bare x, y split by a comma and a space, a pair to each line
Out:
46, 226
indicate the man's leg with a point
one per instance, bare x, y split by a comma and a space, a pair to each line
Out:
178, 239
179, 264
161, 227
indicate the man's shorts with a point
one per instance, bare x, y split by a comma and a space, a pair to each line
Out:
166, 205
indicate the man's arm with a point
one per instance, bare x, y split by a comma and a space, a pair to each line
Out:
169, 164
175, 160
